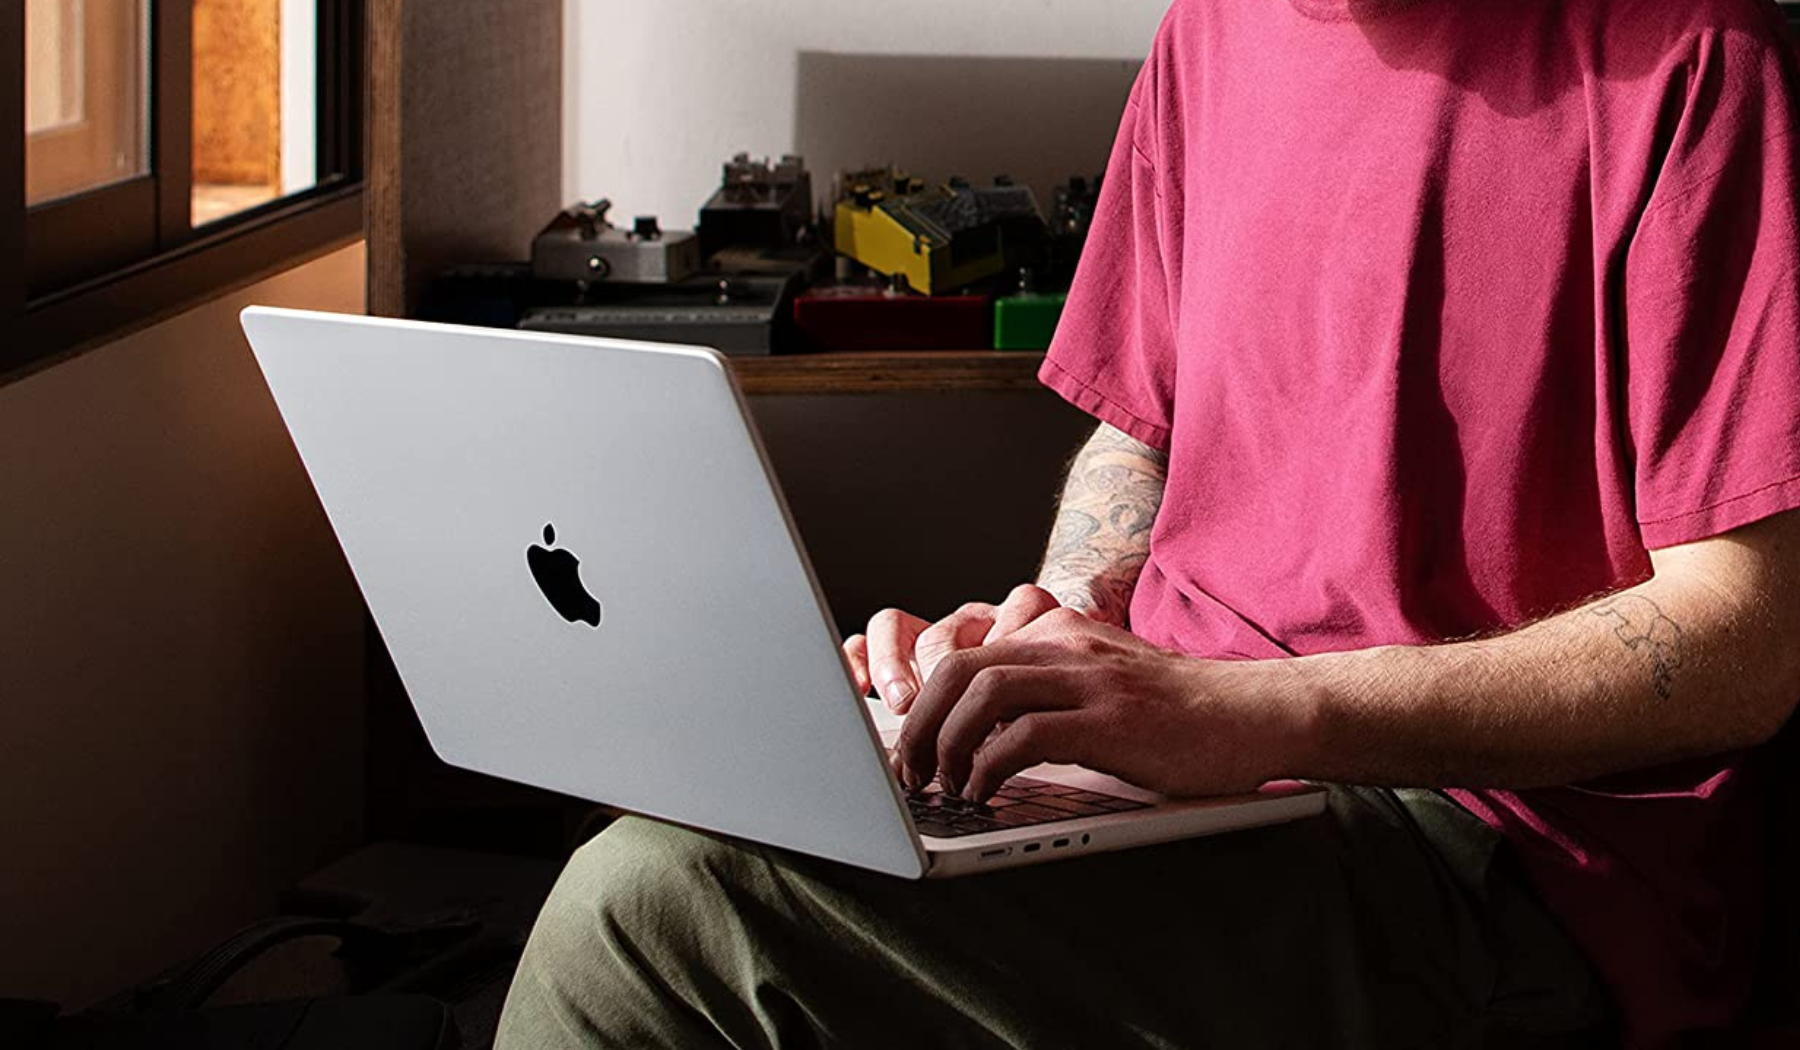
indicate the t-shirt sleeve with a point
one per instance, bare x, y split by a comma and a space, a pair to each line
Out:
1712, 306
1114, 352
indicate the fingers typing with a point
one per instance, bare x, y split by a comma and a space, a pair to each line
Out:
856, 651
963, 629
1029, 740
1026, 603
892, 639
940, 695
996, 695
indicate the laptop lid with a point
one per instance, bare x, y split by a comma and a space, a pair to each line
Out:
586, 576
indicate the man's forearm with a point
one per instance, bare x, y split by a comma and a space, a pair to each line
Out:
1102, 535
1674, 668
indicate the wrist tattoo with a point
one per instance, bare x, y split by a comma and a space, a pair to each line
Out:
1101, 539
1642, 627
1072, 535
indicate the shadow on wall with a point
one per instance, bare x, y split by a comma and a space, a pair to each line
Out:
922, 501
1039, 120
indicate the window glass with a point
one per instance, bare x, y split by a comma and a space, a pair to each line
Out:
255, 97
87, 100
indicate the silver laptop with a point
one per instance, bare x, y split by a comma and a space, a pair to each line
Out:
588, 580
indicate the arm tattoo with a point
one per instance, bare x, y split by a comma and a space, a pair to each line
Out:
1074, 530
1101, 540
1642, 627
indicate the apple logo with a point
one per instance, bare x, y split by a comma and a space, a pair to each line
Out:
558, 575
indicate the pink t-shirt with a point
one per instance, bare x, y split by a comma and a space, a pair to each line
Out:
1448, 312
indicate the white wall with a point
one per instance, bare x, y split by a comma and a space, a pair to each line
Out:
660, 92
181, 645
299, 95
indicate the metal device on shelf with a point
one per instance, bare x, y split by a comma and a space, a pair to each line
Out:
583, 247
761, 209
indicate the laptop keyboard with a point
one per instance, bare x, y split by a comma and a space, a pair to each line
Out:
1021, 803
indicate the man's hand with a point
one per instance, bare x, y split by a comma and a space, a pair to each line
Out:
900, 651
1066, 689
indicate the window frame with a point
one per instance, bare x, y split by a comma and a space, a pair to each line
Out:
74, 146
124, 256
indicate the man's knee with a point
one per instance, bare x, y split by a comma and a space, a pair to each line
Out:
626, 926
637, 892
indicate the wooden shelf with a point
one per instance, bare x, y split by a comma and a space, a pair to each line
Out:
886, 373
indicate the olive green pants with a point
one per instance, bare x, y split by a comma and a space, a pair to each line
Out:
1394, 921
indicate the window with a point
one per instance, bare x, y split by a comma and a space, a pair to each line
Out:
255, 104
166, 149
85, 95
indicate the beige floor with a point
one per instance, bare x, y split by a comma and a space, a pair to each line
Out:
213, 202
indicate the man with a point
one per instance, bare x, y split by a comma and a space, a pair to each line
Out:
1448, 360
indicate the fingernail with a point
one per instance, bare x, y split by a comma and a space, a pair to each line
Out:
897, 694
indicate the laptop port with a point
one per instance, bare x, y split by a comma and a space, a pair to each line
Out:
1060, 843
1032, 847
995, 854
1085, 839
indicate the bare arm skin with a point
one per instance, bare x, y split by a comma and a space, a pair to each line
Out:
1702, 658
1101, 539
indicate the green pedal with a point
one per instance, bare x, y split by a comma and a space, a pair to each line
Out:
1026, 322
